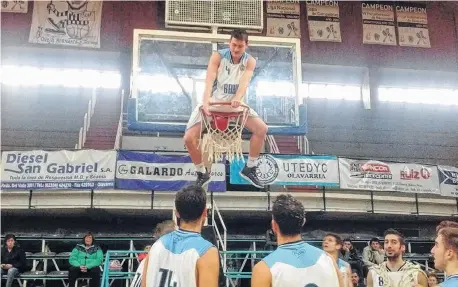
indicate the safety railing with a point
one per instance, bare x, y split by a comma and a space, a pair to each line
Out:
273, 147
117, 143
221, 238
115, 274
87, 120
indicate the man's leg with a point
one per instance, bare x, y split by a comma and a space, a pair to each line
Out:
73, 274
12, 272
259, 130
94, 274
191, 140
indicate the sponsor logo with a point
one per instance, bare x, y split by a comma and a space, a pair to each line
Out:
412, 174
268, 169
370, 170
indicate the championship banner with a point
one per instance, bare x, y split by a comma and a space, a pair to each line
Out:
412, 22
448, 178
15, 6
150, 171
381, 176
291, 170
378, 23
324, 21
283, 19
84, 169
70, 23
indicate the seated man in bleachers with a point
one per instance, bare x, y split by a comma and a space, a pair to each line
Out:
85, 260
12, 260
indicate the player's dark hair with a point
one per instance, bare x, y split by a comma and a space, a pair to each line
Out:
289, 214
397, 233
240, 34
336, 237
375, 239
190, 202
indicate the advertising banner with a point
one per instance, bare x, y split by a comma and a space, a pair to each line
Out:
448, 177
70, 23
283, 19
291, 170
382, 176
84, 169
378, 23
150, 171
324, 21
412, 22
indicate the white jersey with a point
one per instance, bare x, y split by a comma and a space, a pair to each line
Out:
406, 276
228, 77
343, 268
298, 264
173, 259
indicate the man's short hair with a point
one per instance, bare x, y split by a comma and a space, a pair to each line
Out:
240, 34
348, 240
190, 202
336, 237
163, 228
289, 214
375, 239
450, 238
395, 232
446, 223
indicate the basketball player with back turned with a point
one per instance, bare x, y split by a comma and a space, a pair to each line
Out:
182, 257
229, 74
445, 252
396, 272
294, 263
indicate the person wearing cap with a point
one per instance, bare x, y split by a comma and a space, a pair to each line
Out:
13, 260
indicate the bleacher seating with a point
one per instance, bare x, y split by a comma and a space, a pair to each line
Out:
42, 117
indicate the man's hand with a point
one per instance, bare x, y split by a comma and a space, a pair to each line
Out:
205, 108
345, 248
7, 266
235, 103
83, 268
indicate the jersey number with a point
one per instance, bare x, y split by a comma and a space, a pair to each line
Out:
380, 281
166, 278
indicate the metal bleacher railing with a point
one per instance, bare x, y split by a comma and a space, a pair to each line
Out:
87, 120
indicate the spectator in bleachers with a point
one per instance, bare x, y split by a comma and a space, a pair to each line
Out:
142, 256
271, 240
433, 281
374, 253
85, 260
351, 255
355, 279
164, 228
13, 259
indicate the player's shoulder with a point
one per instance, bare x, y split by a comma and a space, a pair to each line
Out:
451, 281
180, 241
224, 53
299, 255
341, 263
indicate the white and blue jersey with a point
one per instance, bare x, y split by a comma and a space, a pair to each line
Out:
228, 76
299, 264
343, 268
450, 281
173, 259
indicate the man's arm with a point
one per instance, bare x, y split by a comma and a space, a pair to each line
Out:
245, 80
145, 270
366, 257
350, 283
261, 276
338, 274
212, 70
208, 269
422, 279
369, 279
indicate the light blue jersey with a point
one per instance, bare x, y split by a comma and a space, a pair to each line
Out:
298, 264
173, 259
228, 77
450, 281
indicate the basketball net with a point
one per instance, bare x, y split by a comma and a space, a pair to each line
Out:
222, 132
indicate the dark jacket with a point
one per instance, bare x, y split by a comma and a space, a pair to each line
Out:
16, 257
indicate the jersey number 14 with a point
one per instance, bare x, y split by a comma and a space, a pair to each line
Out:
166, 278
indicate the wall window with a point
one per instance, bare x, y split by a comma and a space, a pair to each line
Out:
418, 96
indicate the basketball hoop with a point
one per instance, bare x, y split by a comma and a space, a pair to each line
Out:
222, 131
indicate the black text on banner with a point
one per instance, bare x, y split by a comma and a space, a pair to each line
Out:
412, 22
283, 19
382, 176
70, 23
378, 23
84, 169
324, 21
